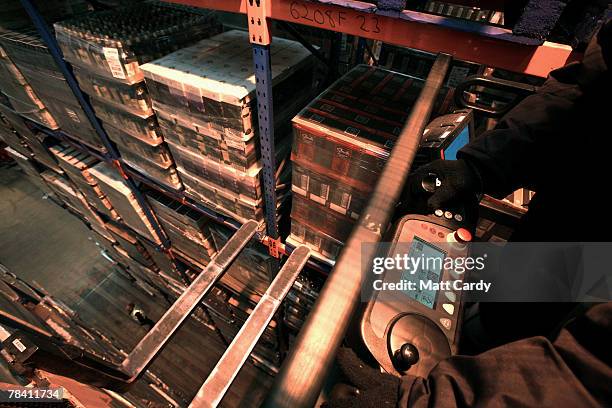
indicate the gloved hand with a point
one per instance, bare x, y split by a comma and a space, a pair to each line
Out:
366, 387
459, 180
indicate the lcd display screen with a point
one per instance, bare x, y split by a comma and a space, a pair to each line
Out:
428, 264
450, 153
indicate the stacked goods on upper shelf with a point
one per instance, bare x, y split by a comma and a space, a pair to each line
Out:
19, 96
106, 49
187, 229
204, 97
76, 164
449, 9
342, 141
123, 200
418, 63
28, 52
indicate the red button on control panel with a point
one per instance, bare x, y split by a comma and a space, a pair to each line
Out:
463, 235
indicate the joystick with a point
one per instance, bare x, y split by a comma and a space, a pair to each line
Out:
406, 356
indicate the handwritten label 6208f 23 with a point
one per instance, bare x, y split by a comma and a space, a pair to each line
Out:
334, 19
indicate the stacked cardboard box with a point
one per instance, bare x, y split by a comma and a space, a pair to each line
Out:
75, 200
76, 164
123, 200
187, 229
27, 51
106, 49
204, 96
342, 141
142, 261
19, 96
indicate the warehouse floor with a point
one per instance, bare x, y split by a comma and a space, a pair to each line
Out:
39, 241
48, 247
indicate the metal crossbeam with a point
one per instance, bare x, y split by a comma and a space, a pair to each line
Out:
226, 370
155, 340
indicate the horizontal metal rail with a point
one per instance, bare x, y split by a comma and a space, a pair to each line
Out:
151, 345
463, 39
301, 378
216, 385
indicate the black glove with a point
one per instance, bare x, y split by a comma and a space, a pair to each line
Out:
459, 180
366, 387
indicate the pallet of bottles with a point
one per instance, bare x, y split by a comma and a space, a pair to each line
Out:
19, 96
115, 42
204, 97
28, 52
107, 49
209, 88
342, 141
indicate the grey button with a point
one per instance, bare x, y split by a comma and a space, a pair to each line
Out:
458, 217
450, 296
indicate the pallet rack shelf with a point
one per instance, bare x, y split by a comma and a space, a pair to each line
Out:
466, 40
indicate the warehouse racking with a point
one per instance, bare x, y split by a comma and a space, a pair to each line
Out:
471, 41
492, 46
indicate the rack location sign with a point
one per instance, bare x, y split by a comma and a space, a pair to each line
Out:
333, 18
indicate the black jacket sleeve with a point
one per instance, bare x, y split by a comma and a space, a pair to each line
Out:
510, 156
572, 371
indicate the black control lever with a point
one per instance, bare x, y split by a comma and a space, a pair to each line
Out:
405, 357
